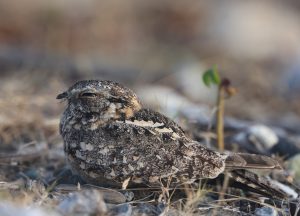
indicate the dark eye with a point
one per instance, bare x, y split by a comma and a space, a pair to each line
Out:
88, 95
117, 100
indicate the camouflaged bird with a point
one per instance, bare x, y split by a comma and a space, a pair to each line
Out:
110, 138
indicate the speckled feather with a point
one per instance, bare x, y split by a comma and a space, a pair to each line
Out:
119, 150
109, 137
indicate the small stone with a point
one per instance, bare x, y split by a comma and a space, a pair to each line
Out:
85, 202
294, 167
147, 209
266, 211
263, 134
11, 209
257, 139
120, 210
129, 195
82, 146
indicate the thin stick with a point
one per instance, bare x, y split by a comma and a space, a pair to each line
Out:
220, 120
224, 187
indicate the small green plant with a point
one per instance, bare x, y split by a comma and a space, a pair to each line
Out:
225, 90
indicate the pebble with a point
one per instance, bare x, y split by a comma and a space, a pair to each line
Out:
86, 202
256, 139
265, 211
293, 166
11, 209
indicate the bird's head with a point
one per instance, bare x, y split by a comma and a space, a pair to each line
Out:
106, 98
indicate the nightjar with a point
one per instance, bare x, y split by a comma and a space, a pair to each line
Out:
110, 138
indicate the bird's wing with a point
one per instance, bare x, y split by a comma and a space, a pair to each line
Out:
148, 118
250, 161
199, 162
161, 142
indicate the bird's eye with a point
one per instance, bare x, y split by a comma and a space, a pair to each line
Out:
88, 95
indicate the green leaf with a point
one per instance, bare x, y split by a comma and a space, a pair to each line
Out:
215, 75
207, 78
211, 76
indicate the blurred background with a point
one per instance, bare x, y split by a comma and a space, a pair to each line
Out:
159, 48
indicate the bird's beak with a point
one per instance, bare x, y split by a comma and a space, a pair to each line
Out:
63, 95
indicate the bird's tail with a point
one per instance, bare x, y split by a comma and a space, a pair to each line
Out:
258, 184
250, 161
237, 163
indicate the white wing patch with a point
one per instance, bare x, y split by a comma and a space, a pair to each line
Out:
145, 123
164, 130
157, 126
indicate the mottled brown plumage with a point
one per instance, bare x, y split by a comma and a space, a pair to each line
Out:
109, 138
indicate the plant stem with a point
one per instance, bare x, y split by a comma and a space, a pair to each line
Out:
220, 118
